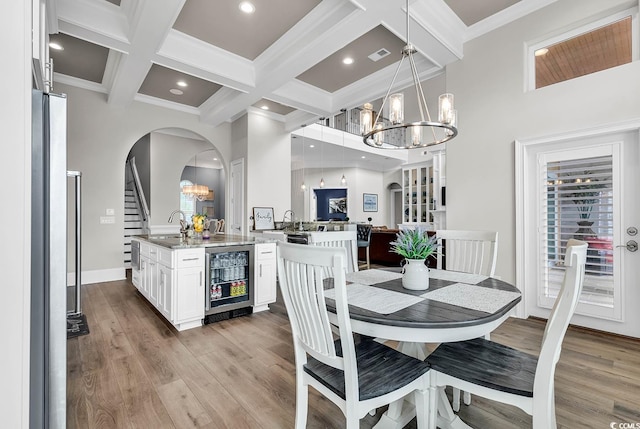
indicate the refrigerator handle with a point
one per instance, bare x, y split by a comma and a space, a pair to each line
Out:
78, 269
207, 300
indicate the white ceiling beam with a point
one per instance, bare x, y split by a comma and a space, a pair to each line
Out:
101, 23
189, 55
156, 17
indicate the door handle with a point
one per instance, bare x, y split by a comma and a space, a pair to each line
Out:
631, 245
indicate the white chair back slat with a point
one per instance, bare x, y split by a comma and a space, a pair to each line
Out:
344, 239
557, 324
302, 287
468, 251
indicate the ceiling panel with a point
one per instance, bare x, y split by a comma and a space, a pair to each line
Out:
160, 80
222, 24
331, 74
474, 11
79, 59
273, 107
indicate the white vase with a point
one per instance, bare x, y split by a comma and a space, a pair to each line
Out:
415, 275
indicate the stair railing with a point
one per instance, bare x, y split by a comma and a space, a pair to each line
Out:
141, 201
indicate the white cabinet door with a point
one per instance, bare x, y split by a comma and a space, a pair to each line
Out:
265, 275
145, 276
165, 282
189, 303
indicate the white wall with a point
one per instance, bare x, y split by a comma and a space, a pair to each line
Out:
268, 167
494, 110
166, 173
15, 224
359, 181
100, 137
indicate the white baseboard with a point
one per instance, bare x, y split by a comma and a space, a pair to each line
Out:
98, 276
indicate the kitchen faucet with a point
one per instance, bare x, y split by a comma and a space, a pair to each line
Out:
292, 218
183, 222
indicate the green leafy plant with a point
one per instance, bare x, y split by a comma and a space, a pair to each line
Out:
414, 244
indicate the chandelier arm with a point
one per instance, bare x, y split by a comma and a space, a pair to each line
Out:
386, 97
422, 103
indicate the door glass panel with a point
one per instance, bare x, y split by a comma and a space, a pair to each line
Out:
578, 196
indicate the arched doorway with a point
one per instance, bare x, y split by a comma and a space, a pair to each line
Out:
162, 159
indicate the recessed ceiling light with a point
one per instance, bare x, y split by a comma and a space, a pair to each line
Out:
247, 7
176, 91
363, 157
182, 83
56, 46
541, 52
347, 60
311, 145
264, 107
215, 159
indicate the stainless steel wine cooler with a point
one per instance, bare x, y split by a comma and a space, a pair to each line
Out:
229, 278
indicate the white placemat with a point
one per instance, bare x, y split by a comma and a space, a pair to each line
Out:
473, 297
376, 299
371, 277
456, 276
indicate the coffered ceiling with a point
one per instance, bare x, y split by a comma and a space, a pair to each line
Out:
286, 57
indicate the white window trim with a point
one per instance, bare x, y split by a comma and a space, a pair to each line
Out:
531, 47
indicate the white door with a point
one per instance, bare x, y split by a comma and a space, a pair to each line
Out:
236, 190
584, 188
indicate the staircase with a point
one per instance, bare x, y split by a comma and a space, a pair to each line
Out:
133, 224
136, 211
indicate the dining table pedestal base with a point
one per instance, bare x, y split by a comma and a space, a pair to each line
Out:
400, 413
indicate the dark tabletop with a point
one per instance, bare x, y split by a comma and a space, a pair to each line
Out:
430, 313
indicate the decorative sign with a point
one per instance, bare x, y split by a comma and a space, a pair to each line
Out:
370, 202
263, 218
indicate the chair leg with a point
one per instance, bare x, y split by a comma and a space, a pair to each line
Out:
368, 262
455, 401
421, 399
432, 407
467, 398
302, 398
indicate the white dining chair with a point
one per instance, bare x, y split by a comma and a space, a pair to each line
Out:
507, 375
357, 377
342, 239
473, 252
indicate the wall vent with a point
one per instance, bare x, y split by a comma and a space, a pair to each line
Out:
379, 54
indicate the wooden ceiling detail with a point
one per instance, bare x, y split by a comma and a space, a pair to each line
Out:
597, 50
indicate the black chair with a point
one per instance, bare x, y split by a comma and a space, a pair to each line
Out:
364, 240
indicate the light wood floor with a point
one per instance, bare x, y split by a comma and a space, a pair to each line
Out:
135, 371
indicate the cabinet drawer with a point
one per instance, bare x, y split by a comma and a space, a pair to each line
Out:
266, 251
164, 257
190, 258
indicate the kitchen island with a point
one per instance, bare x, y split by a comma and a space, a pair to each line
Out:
177, 276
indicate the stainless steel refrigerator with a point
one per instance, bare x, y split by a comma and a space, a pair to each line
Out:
48, 261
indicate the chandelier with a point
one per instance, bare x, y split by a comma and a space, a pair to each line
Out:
195, 191
393, 132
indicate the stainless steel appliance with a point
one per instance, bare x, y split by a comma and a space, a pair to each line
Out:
135, 255
48, 340
229, 281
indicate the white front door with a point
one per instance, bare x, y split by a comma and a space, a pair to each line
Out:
583, 187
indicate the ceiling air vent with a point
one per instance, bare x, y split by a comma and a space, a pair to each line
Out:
379, 54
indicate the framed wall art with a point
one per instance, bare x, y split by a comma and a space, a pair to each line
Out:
370, 202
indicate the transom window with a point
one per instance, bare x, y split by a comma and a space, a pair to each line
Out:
592, 48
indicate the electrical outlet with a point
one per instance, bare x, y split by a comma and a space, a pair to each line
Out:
110, 212
107, 220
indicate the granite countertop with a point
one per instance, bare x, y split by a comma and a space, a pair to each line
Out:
216, 240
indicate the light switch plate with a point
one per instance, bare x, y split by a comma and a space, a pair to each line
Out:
110, 212
107, 220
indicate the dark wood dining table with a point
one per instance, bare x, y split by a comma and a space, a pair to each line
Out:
460, 316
